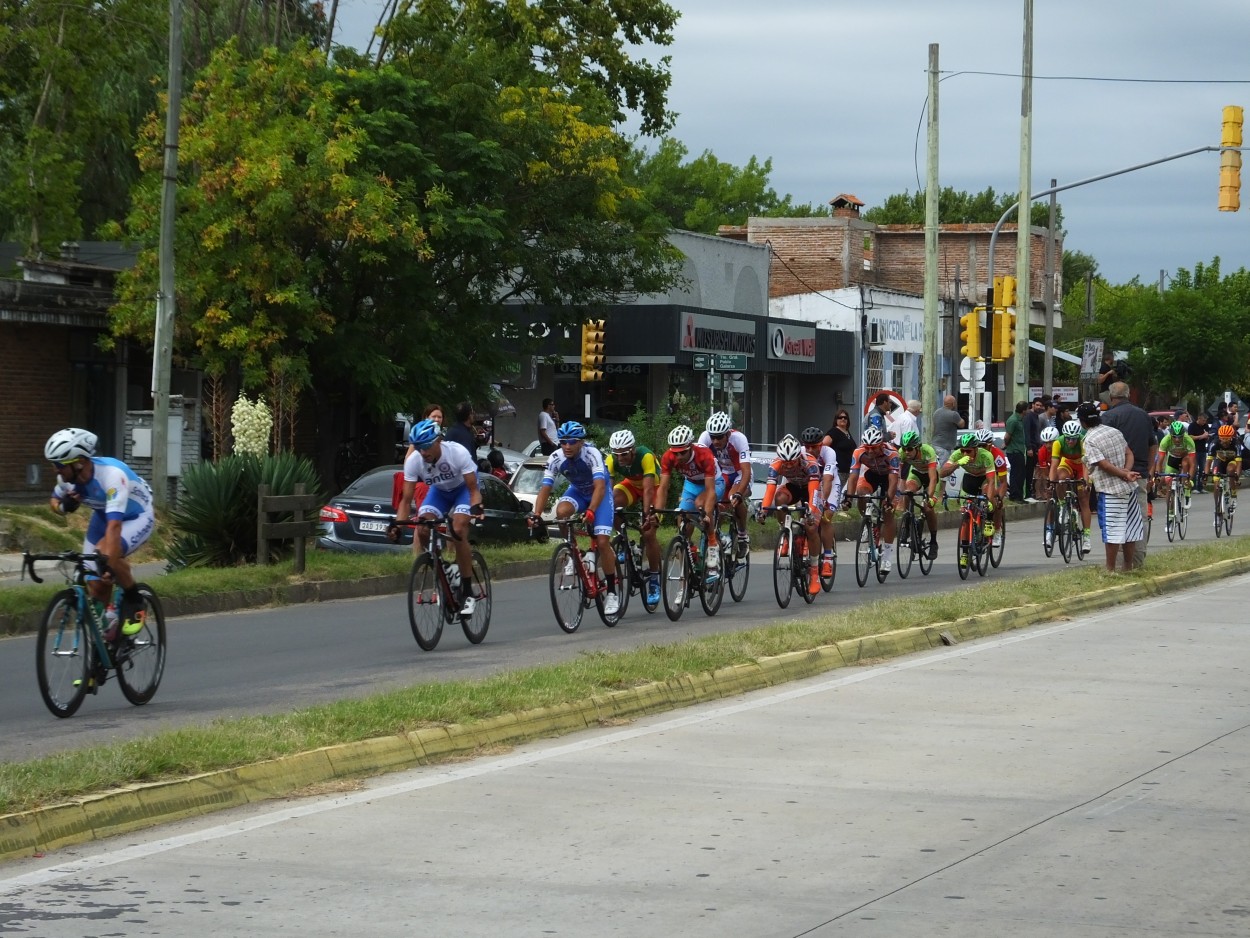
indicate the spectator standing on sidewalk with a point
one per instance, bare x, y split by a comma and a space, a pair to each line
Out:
1201, 433
1109, 462
547, 427
943, 425
1032, 443
462, 430
1139, 433
1017, 451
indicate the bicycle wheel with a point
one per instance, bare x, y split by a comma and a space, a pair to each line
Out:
826, 582
625, 580
425, 603
1170, 525
1063, 531
1228, 516
712, 594
63, 655
1049, 524
925, 544
1078, 532
878, 541
676, 583
802, 570
1182, 515
905, 544
140, 658
783, 574
475, 625
1219, 512
963, 554
981, 551
735, 564
566, 589
996, 553
864, 557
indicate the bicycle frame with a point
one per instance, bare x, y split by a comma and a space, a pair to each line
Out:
84, 609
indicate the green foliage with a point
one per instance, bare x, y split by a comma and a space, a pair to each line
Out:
958, 208
216, 516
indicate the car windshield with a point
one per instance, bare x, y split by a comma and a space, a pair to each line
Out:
528, 479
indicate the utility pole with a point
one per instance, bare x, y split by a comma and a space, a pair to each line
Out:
1024, 280
1048, 294
163, 343
932, 323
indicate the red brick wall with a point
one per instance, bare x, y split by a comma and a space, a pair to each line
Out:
34, 400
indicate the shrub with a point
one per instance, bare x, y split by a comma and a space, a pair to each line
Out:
216, 516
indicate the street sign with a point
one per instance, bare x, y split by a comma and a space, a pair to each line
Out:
971, 369
731, 363
701, 361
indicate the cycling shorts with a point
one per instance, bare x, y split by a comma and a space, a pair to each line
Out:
1173, 463
1076, 468
135, 532
443, 502
631, 489
604, 517
691, 490
871, 481
1226, 466
972, 485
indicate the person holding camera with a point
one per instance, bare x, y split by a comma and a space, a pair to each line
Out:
1108, 374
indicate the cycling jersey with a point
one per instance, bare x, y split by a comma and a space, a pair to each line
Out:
1177, 447
581, 470
643, 464
805, 468
1001, 462
918, 467
446, 473
697, 468
1226, 453
979, 465
882, 460
116, 493
1073, 450
732, 456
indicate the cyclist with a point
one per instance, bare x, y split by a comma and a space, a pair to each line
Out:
582, 465
918, 472
980, 473
1067, 462
634, 471
794, 477
1225, 459
733, 455
122, 517
451, 474
1176, 454
702, 486
985, 438
830, 495
874, 470
1041, 477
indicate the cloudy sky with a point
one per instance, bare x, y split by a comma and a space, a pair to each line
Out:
833, 92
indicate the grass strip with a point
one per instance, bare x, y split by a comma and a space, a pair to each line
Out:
229, 743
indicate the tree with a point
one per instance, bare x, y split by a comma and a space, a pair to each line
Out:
954, 207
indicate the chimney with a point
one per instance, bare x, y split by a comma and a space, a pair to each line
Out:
846, 206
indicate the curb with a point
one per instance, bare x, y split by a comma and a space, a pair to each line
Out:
135, 807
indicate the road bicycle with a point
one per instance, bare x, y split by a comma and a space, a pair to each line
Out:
685, 572
1050, 518
627, 545
1069, 531
735, 554
974, 547
914, 540
791, 559
1224, 505
998, 542
433, 585
1177, 505
577, 579
869, 544
73, 657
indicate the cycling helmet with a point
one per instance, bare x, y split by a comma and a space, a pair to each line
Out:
909, 439
69, 444
1226, 432
621, 440
1049, 434
789, 449
967, 439
719, 423
1072, 429
984, 437
873, 436
1177, 428
423, 433
680, 437
876, 420
811, 436
571, 430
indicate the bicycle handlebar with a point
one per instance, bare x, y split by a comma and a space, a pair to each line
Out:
78, 558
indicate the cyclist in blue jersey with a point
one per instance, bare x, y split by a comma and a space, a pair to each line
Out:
589, 491
122, 519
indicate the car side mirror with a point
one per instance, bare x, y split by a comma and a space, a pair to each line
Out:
525, 504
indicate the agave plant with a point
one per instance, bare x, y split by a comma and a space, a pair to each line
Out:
216, 516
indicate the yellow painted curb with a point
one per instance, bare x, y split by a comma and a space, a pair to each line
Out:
144, 805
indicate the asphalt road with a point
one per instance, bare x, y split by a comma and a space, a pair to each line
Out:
277, 659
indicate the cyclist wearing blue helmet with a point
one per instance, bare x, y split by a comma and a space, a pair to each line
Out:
451, 474
589, 491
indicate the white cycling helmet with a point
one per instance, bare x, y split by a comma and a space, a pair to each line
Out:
1049, 434
1072, 429
621, 440
789, 449
719, 423
69, 444
873, 436
984, 436
680, 436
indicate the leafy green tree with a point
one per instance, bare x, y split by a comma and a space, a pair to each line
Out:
908, 208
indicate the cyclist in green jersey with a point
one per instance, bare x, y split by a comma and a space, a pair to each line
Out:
1067, 464
634, 472
918, 470
1176, 454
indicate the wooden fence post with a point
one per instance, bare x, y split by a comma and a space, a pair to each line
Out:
262, 522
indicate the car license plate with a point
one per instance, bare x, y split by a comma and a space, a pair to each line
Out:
373, 525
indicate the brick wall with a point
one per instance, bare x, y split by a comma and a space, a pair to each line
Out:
35, 386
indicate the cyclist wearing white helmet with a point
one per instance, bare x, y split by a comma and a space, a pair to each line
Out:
635, 473
733, 454
702, 486
830, 496
985, 438
1041, 473
122, 518
874, 472
1067, 466
794, 479
582, 465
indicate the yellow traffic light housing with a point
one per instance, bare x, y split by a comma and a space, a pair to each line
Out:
1004, 292
970, 333
1230, 160
1003, 339
592, 350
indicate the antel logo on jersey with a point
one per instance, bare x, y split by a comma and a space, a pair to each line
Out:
717, 334
785, 345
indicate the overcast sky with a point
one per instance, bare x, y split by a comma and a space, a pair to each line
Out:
833, 91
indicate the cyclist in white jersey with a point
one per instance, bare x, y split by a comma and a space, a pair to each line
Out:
122, 519
449, 471
733, 454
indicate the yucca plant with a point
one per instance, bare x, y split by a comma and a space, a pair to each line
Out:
216, 515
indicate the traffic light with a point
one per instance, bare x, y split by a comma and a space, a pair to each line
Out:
1230, 160
592, 350
1003, 341
1004, 292
970, 333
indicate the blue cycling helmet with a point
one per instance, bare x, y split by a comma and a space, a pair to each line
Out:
876, 420
571, 430
423, 433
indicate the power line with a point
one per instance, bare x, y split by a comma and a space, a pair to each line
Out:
1140, 81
